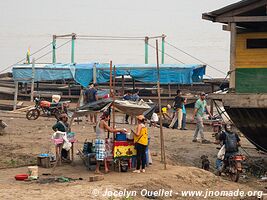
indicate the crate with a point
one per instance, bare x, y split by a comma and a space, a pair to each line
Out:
43, 162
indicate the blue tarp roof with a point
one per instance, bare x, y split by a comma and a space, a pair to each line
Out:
83, 73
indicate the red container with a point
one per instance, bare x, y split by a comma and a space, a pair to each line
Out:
21, 177
45, 104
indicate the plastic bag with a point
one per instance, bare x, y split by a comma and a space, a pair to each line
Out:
221, 153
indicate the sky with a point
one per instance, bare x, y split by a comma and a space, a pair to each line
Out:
31, 24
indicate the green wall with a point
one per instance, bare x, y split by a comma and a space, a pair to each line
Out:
251, 80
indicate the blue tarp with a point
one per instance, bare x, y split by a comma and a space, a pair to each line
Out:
83, 73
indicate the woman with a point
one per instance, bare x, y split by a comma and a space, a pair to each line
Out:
141, 142
63, 126
100, 149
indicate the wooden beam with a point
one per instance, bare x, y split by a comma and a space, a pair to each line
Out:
232, 56
242, 19
33, 77
226, 28
244, 9
238, 29
16, 95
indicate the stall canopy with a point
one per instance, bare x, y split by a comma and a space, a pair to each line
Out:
84, 73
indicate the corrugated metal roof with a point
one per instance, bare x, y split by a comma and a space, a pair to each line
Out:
230, 7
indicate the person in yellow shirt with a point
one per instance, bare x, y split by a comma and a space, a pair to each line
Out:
141, 142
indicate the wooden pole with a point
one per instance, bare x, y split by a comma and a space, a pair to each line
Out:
123, 82
16, 95
146, 50
162, 48
33, 76
94, 73
169, 90
232, 56
73, 37
110, 86
54, 49
114, 93
163, 157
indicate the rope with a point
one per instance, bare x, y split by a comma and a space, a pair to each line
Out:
167, 54
24, 58
52, 50
195, 58
103, 39
116, 37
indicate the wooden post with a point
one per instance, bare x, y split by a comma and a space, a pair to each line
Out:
146, 50
33, 76
162, 48
163, 157
169, 89
54, 49
122, 84
211, 100
110, 87
133, 84
16, 95
232, 56
114, 93
69, 90
73, 37
94, 73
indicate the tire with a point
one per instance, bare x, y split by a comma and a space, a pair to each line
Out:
235, 176
32, 114
57, 114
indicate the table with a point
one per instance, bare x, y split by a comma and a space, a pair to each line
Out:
124, 149
59, 144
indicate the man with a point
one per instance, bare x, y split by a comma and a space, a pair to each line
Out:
127, 97
178, 106
135, 96
231, 142
199, 111
184, 116
90, 96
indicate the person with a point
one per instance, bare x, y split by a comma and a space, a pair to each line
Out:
154, 119
63, 126
127, 97
177, 105
141, 142
135, 96
230, 142
184, 116
230, 139
167, 112
100, 149
199, 111
90, 96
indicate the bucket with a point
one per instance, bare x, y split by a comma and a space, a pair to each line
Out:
33, 172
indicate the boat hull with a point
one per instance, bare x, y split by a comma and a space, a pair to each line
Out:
252, 122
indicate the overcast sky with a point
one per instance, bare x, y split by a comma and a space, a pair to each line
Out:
31, 23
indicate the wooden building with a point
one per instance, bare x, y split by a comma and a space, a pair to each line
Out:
246, 102
247, 22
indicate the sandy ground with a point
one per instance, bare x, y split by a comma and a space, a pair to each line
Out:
25, 139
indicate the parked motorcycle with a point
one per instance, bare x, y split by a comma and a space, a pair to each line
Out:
47, 108
233, 167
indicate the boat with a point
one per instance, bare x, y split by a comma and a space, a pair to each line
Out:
246, 102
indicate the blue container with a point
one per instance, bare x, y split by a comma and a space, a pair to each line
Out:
121, 137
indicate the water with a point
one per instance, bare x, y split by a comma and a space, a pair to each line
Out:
31, 23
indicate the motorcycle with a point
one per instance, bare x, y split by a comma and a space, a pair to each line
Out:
233, 166
47, 108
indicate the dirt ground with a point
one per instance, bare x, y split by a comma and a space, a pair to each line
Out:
23, 140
